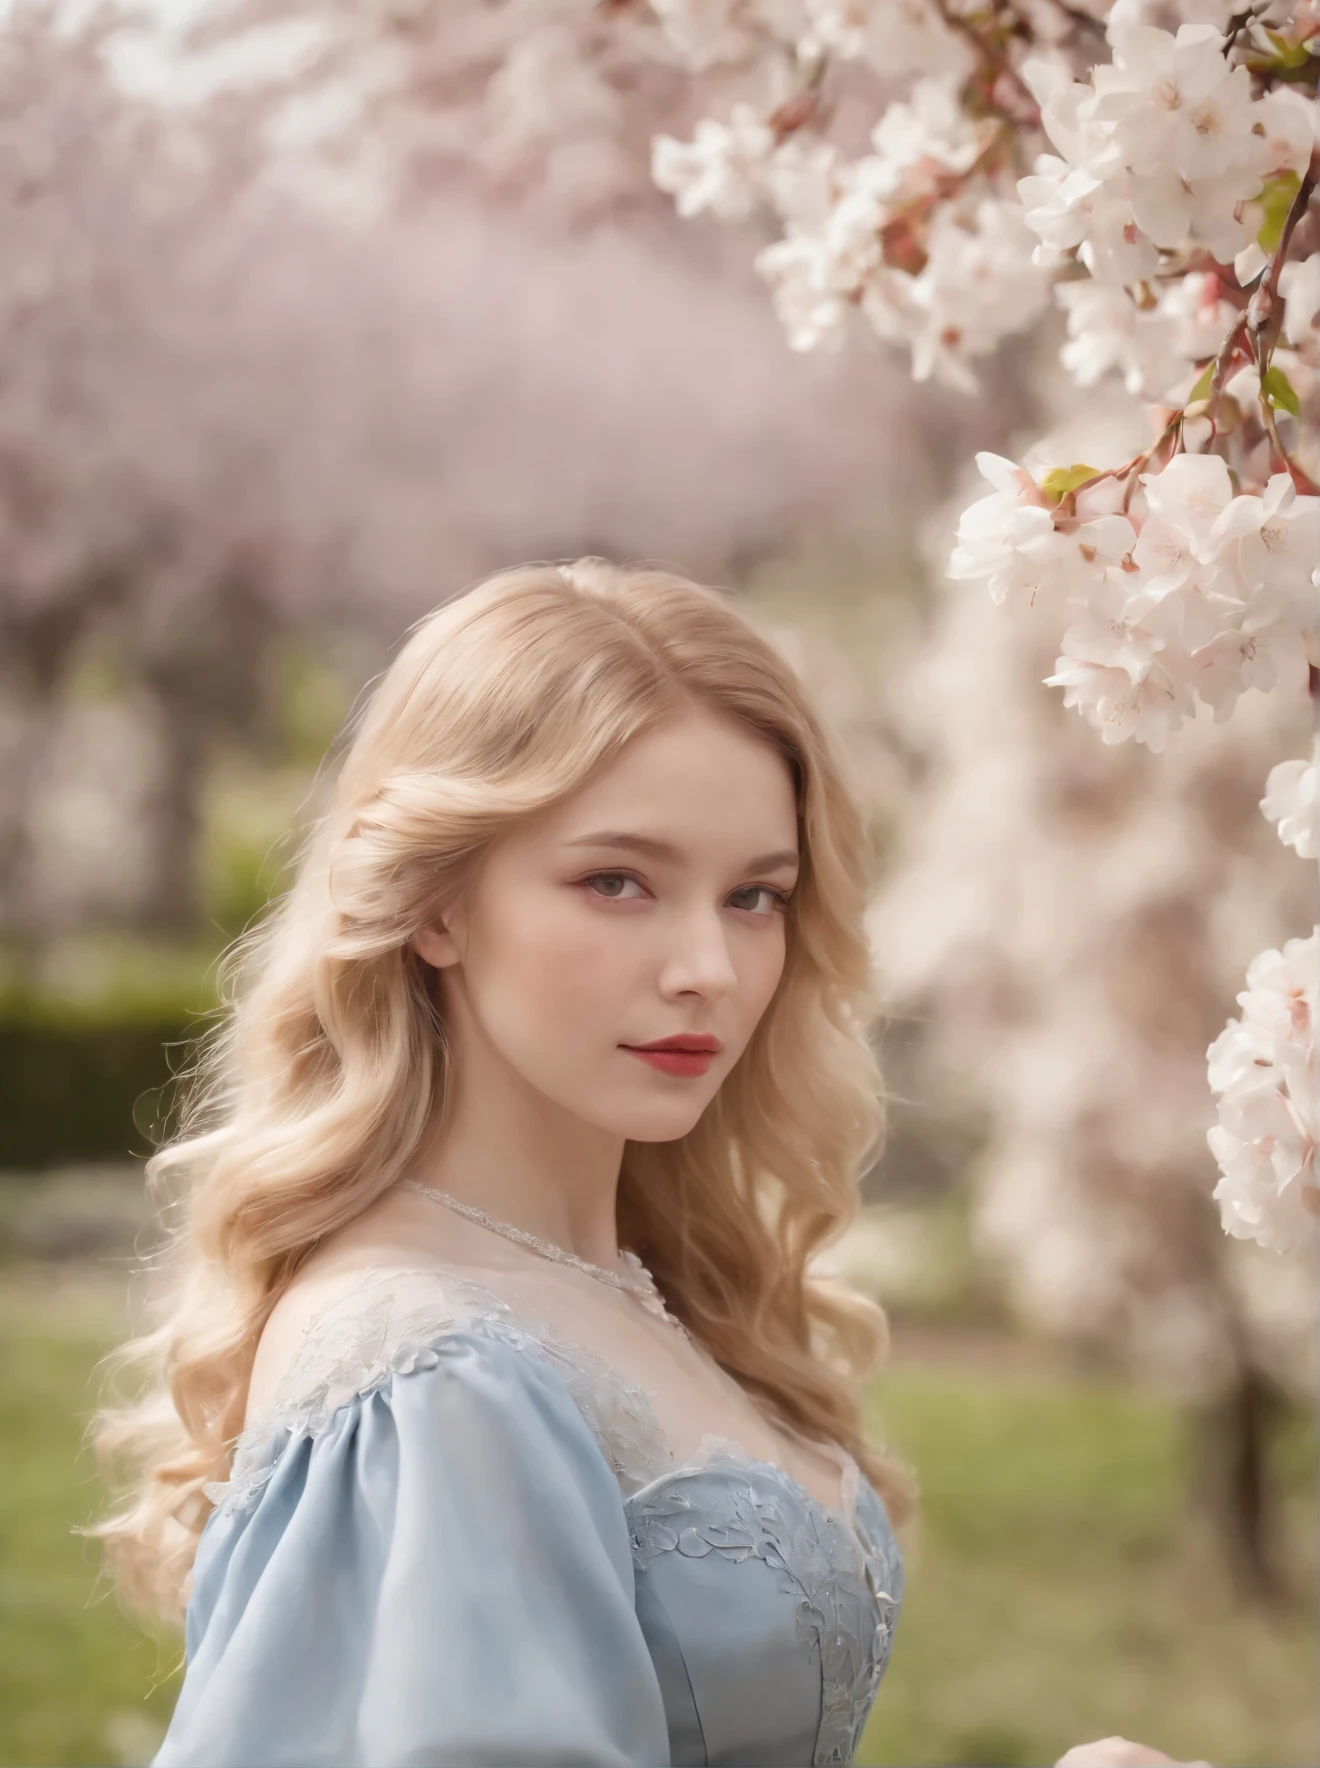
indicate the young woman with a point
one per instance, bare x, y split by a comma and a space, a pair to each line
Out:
494, 1415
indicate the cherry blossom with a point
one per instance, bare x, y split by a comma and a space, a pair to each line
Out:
707, 32
1008, 539
1264, 1067
1157, 203
1063, 933
1161, 149
720, 169
1154, 346
1192, 593
984, 248
1162, 195
893, 36
1299, 284
1292, 801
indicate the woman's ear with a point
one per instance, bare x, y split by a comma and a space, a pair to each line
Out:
436, 946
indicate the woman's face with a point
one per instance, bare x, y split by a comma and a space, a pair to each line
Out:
648, 905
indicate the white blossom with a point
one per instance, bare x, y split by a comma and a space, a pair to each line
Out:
802, 180
1111, 670
1299, 284
803, 280
896, 37
1007, 540
721, 169
1164, 147
840, 26
985, 247
1292, 802
930, 129
832, 256
1155, 347
1180, 110
1192, 593
1270, 544
708, 32
1263, 1067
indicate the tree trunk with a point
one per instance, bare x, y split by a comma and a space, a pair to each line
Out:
1233, 1484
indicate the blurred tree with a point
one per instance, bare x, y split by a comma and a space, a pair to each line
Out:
228, 408
1068, 922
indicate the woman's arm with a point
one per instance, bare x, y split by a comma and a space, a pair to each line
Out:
443, 1576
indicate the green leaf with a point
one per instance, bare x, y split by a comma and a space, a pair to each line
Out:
1202, 388
1276, 198
1059, 481
1279, 391
1289, 55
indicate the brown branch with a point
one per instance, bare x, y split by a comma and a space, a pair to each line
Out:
1068, 502
993, 58
1227, 351
1265, 309
1299, 476
1258, 323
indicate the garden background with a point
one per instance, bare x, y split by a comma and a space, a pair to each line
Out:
257, 413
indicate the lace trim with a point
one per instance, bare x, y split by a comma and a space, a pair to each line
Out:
848, 1592
848, 1578
348, 1351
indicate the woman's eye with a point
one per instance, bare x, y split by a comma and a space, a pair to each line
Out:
610, 878
777, 904
778, 900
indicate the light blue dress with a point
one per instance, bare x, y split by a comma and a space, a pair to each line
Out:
458, 1538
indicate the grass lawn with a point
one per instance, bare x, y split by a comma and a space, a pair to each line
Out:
1058, 1591
1055, 1591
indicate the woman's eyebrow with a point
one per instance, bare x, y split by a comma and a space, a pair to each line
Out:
656, 849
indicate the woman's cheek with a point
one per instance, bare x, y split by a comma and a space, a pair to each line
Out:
567, 958
769, 970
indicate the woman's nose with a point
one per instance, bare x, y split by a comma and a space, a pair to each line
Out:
699, 958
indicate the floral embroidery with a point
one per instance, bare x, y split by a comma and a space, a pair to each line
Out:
847, 1590
358, 1342
843, 1566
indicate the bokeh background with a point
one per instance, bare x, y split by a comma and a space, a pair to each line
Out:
302, 333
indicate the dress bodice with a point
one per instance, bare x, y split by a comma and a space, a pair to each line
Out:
762, 1613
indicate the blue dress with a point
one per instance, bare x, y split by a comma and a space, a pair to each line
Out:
457, 1537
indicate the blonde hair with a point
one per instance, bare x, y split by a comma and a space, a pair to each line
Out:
313, 1090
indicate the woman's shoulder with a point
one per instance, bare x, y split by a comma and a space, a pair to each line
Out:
339, 1316
344, 1331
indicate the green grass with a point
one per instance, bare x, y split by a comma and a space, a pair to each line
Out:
1059, 1592
79, 1683
1055, 1591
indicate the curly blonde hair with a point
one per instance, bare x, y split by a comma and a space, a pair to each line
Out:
314, 1087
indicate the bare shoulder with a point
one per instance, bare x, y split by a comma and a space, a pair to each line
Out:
333, 1270
285, 1329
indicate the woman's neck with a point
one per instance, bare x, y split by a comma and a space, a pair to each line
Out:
531, 1166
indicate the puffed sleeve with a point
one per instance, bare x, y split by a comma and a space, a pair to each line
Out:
441, 1575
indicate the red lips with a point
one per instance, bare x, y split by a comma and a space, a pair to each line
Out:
693, 1042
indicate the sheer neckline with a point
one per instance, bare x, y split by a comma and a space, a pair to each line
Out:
304, 1394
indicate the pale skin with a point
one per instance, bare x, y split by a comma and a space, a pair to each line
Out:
568, 948
564, 950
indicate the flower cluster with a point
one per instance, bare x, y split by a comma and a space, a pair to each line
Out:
1153, 342
1165, 210
1263, 1067
902, 235
1191, 592
1163, 149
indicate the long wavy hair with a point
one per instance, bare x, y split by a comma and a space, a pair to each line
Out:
314, 1086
